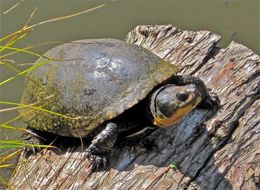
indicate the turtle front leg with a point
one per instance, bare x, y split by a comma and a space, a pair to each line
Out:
209, 99
102, 144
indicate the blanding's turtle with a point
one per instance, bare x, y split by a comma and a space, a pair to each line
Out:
104, 88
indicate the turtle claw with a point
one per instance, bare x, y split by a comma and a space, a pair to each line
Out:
30, 150
212, 102
148, 144
31, 140
99, 161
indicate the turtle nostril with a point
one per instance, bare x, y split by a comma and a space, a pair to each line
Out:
182, 96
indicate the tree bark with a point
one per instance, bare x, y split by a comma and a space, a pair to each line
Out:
220, 153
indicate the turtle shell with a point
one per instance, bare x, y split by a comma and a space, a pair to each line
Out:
77, 86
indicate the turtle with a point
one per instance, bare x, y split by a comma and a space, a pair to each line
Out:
103, 89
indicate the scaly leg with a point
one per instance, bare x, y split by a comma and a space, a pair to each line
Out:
32, 137
102, 144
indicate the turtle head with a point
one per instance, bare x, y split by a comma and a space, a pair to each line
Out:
170, 103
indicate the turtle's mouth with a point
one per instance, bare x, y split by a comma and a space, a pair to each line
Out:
178, 115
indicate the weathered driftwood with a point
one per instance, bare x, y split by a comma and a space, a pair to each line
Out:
221, 153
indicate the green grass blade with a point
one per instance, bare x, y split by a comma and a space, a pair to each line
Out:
3, 182
27, 28
36, 108
11, 127
9, 156
10, 146
11, 67
11, 8
24, 29
20, 50
13, 41
12, 142
5, 165
25, 71
4, 144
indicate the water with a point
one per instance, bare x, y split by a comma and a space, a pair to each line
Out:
233, 19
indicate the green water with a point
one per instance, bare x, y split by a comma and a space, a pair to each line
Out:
232, 19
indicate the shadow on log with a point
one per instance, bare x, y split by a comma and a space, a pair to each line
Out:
222, 153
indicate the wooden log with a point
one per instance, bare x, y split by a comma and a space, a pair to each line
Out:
221, 153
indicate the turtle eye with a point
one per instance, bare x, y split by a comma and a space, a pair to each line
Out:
182, 96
